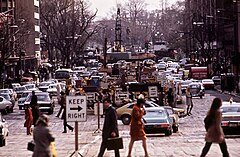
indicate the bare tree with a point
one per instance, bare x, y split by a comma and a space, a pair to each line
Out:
66, 26
13, 34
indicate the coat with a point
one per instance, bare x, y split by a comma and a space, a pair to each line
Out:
189, 99
28, 117
215, 132
42, 138
110, 123
136, 126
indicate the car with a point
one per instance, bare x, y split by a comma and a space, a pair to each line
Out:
184, 85
23, 98
12, 93
9, 98
3, 131
157, 120
174, 116
230, 116
5, 105
216, 80
124, 112
196, 89
30, 86
19, 90
43, 86
52, 88
45, 103
208, 83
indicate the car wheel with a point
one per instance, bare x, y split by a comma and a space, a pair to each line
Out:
20, 108
168, 132
50, 111
175, 129
2, 142
5, 111
201, 96
126, 119
11, 110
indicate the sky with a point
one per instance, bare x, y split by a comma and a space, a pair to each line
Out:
104, 6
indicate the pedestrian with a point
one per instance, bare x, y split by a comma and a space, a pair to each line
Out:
28, 118
110, 126
61, 103
35, 108
214, 130
170, 97
136, 126
64, 115
42, 137
189, 102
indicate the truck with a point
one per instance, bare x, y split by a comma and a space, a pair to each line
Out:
198, 73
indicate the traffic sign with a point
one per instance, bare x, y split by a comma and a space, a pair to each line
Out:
76, 108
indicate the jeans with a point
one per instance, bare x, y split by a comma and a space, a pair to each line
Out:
223, 147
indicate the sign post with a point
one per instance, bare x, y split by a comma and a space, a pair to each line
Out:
76, 111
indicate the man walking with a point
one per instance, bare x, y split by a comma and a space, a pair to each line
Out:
35, 108
110, 126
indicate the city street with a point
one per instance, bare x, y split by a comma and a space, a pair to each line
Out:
188, 141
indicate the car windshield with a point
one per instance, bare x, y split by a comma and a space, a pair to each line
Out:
45, 84
4, 91
20, 89
24, 95
230, 109
40, 97
6, 96
155, 113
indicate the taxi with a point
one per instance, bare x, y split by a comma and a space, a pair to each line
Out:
230, 115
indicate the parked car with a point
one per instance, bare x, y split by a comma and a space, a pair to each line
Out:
3, 131
196, 89
208, 83
157, 120
23, 98
174, 116
216, 80
124, 112
9, 98
230, 116
45, 103
5, 105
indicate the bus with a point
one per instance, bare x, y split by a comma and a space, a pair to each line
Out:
63, 74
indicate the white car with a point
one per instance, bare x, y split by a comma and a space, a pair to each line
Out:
52, 89
43, 86
12, 93
3, 131
208, 83
5, 105
30, 86
19, 90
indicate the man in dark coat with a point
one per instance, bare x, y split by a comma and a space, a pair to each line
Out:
110, 126
35, 108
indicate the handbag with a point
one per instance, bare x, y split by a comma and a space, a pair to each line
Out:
30, 146
114, 143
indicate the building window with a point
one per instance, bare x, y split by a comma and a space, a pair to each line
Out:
36, 15
36, 3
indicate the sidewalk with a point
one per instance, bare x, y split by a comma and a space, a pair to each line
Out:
218, 88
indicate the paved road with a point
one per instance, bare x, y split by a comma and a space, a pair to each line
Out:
187, 142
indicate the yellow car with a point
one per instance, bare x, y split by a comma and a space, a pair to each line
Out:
124, 112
